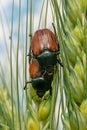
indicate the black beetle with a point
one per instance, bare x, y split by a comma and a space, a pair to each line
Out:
40, 79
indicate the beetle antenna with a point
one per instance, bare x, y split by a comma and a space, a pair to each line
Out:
54, 29
26, 84
56, 36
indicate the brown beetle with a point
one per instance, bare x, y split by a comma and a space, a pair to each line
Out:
42, 40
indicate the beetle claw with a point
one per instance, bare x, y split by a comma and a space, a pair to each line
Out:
30, 35
59, 61
25, 86
28, 54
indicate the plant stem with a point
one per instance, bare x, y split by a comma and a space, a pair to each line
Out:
11, 64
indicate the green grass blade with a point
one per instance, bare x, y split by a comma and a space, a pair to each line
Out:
41, 13
26, 46
17, 59
11, 75
46, 14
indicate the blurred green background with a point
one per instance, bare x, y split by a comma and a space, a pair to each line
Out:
67, 108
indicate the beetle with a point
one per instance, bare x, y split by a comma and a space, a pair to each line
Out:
40, 79
45, 48
43, 56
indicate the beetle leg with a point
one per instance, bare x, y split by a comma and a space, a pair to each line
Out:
44, 72
51, 91
30, 57
30, 35
59, 61
26, 84
58, 52
30, 54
